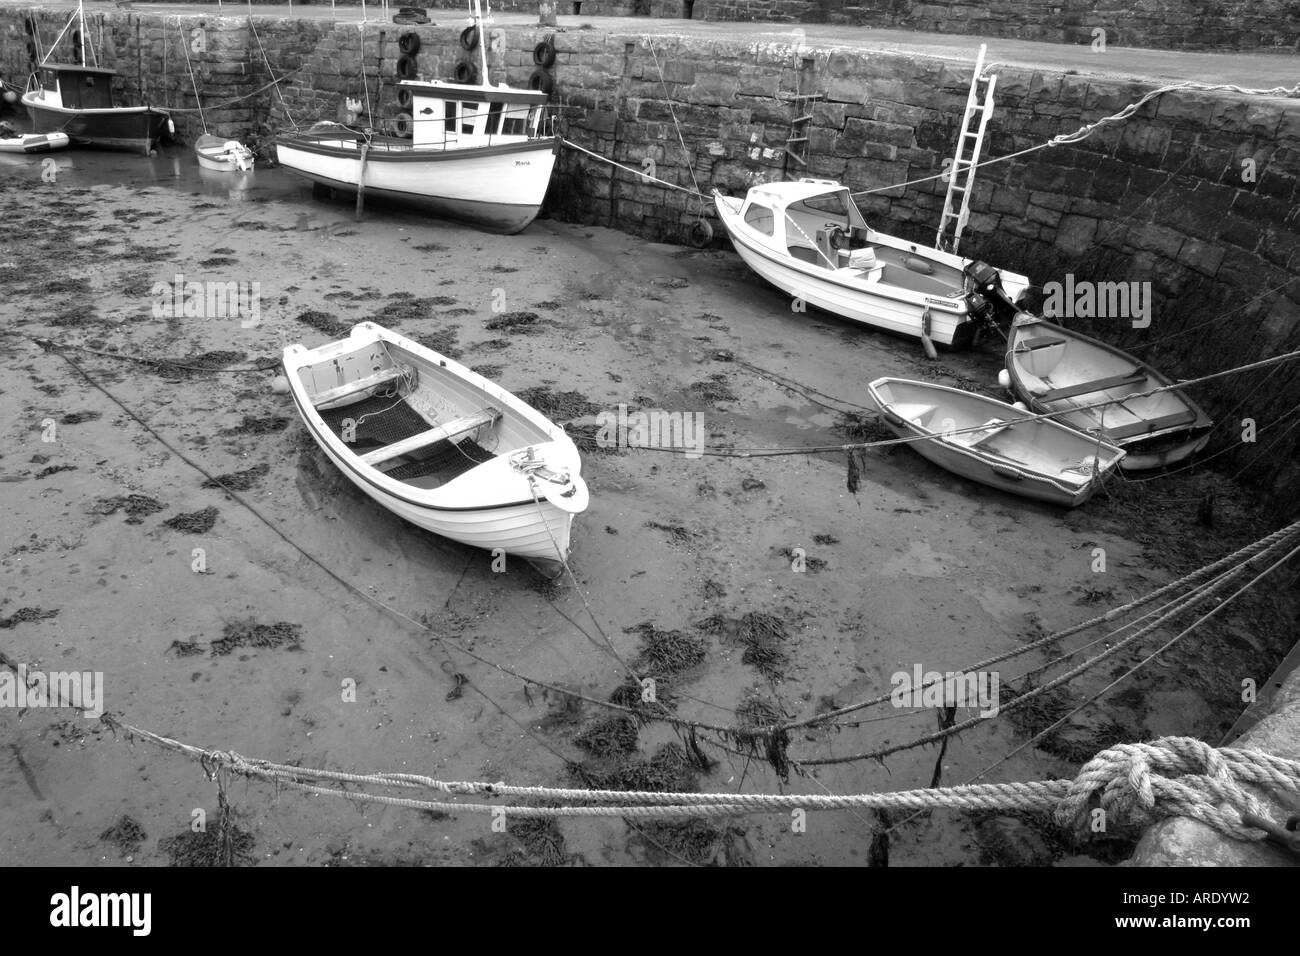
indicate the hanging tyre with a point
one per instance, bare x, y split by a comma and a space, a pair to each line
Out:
701, 234
407, 67
403, 126
466, 73
409, 43
544, 54
541, 80
469, 38
404, 97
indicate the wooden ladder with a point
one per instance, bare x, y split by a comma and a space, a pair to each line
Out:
961, 175
796, 144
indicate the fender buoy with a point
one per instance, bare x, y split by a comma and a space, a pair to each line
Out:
403, 97
469, 38
406, 67
541, 80
403, 125
409, 43
29, 26
1004, 379
76, 39
466, 73
544, 54
918, 265
701, 234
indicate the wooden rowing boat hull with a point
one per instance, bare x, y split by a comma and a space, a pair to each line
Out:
1054, 369
1040, 459
491, 506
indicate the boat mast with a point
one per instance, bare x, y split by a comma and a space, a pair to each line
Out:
81, 34
482, 40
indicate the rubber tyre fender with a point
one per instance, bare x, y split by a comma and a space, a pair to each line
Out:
466, 73
544, 54
407, 68
469, 38
541, 80
404, 97
409, 44
700, 234
403, 125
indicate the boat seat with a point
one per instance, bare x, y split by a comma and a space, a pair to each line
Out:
1033, 343
1135, 377
913, 412
451, 429
992, 427
331, 395
1147, 425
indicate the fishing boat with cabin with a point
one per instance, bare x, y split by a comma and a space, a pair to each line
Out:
475, 152
77, 100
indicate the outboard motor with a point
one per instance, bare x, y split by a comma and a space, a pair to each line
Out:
987, 300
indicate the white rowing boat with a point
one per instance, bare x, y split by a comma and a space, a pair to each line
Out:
439, 445
222, 155
809, 239
975, 437
1054, 369
33, 142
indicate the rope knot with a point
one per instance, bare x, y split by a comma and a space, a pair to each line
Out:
1140, 784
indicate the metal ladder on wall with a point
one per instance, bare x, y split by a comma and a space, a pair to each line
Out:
956, 204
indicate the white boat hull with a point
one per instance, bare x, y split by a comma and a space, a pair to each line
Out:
34, 143
491, 506
1041, 459
499, 188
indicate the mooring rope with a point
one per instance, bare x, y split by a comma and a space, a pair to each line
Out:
1134, 783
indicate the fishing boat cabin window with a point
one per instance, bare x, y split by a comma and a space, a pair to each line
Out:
469, 116
515, 123
494, 118
760, 217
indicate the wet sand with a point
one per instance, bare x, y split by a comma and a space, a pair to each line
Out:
917, 567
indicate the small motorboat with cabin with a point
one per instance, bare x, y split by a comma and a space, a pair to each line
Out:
77, 100
988, 441
474, 152
440, 445
1099, 389
809, 239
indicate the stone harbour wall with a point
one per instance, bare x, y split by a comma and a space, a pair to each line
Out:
1194, 197
1156, 24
